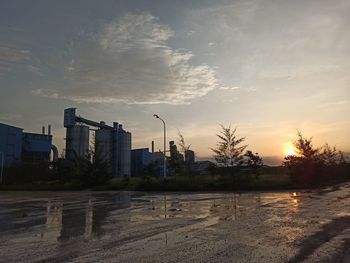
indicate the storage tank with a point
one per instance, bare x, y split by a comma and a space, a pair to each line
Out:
103, 145
125, 154
77, 142
69, 117
121, 159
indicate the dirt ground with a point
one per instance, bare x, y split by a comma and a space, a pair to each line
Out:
307, 226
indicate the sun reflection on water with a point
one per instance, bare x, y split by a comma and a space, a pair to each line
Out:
295, 201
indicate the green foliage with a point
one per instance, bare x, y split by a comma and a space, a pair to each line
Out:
252, 160
181, 142
92, 171
63, 174
228, 151
28, 172
201, 183
314, 165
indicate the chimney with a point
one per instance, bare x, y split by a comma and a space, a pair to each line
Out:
43, 130
152, 146
49, 129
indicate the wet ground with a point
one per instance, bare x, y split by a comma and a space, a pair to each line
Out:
307, 226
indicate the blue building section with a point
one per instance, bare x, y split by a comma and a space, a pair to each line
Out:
36, 147
10, 144
140, 159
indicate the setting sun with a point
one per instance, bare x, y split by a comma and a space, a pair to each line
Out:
289, 149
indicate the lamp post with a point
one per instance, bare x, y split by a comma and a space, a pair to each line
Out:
156, 116
2, 167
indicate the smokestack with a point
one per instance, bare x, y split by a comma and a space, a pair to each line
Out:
49, 129
152, 146
43, 130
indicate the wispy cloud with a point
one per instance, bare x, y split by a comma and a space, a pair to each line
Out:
334, 103
229, 88
9, 116
271, 42
11, 56
130, 60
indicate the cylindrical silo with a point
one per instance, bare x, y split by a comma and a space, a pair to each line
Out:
77, 144
125, 153
103, 145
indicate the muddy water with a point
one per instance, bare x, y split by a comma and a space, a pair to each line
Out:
310, 226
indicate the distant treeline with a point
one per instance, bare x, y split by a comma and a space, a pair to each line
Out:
236, 169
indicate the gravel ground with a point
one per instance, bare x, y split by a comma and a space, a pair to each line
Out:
308, 226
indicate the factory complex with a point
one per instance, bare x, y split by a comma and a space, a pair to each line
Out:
17, 145
111, 144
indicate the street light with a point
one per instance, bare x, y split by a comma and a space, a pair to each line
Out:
2, 166
156, 116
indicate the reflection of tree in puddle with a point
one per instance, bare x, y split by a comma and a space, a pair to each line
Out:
230, 207
235, 206
225, 209
171, 207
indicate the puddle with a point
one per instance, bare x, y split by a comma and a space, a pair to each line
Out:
77, 226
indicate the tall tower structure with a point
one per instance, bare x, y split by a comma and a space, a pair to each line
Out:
77, 136
121, 158
112, 144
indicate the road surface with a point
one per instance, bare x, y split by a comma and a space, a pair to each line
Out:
307, 226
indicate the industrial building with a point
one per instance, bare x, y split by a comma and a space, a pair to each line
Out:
175, 155
143, 161
140, 160
37, 146
10, 144
112, 143
189, 156
16, 145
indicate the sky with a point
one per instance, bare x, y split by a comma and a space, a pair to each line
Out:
267, 67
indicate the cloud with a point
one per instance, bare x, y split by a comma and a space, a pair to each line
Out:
229, 88
9, 116
46, 93
13, 55
334, 104
9, 57
130, 60
272, 42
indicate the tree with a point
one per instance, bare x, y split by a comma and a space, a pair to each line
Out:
312, 164
183, 147
228, 151
306, 163
305, 152
330, 156
305, 148
181, 141
253, 161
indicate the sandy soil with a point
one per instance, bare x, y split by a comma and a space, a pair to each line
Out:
309, 226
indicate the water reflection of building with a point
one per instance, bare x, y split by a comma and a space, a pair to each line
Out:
64, 222
83, 219
53, 221
89, 214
